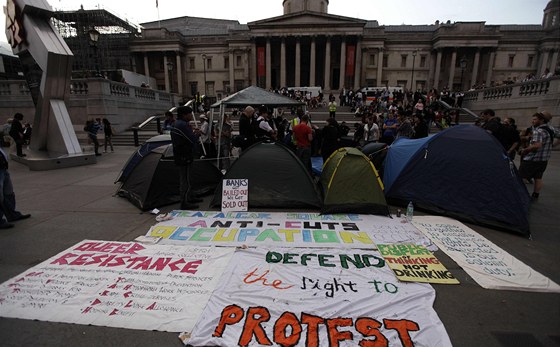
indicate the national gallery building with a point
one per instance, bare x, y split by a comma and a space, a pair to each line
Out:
307, 46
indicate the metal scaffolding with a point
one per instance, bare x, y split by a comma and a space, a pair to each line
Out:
109, 54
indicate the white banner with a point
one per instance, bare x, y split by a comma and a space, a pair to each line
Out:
285, 229
118, 284
489, 265
316, 297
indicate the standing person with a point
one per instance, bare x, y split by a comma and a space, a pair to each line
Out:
16, 132
512, 140
224, 142
420, 127
371, 130
207, 136
8, 212
184, 139
304, 135
168, 122
332, 108
245, 128
534, 158
493, 125
264, 126
92, 127
108, 131
331, 139
390, 127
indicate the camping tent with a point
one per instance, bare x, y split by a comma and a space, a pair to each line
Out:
150, 178
351, 184
462, 172
277, 178
376, 152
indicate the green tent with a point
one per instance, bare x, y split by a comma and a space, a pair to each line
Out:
351, 184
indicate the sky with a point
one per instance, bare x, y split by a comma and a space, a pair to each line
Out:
385, 12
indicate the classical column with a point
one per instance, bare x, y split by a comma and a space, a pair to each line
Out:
545, 54
298, 63
312, 66
379, 66
452, 69
231, 71
475, 67
327, 85
490, 69
554, 60
252, 62
268, 83
146, 66
438, 69
179, 74
166, 73
430, 83
358, 65
342, 64
283, 63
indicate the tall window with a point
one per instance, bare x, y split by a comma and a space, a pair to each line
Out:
423, 61
510, 60
403, 60
191, 63
371, 59
530, 60
238, 61
385, 60
226, 62
194, 88
209, 63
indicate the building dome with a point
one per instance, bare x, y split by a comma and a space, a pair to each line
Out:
293, 6
551, 17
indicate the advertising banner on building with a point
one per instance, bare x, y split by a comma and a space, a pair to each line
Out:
118, 284
261, 62
284, 229
316, 297
350, 60
489, 265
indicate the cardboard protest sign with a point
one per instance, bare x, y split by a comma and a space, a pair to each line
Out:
284, 229
118, 284
316, 297
415, 263
489, 265
235, 195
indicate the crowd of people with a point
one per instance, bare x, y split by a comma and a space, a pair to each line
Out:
93, 127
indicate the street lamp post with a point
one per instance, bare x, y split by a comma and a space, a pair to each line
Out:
463, 63
170, 67
93, 38
412, 76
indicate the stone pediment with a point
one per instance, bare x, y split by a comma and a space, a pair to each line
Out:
307, 18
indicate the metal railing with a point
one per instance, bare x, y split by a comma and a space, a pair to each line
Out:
150, 119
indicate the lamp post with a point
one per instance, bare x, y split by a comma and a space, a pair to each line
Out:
463, 63
93, 38
204, 64
170, 67
412, 76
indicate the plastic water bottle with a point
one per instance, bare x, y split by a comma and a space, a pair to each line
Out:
409, 212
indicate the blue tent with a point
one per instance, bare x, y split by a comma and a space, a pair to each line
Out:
462, 172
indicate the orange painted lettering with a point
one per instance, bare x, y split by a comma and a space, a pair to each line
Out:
231, 314
253, 277
312, 328
336, 336
255, 316
402, 327
370, 327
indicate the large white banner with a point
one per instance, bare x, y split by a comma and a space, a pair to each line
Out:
285, 229
118, 284
316, 297
489, 265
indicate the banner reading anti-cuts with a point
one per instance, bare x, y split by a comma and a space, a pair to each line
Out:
316, 297
118, 284
285, 229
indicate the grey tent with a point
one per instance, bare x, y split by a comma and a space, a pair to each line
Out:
277, 178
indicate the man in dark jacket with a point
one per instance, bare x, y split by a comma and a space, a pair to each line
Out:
184, 139
16, 132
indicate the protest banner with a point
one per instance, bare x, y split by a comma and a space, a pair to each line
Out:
285, 229
415, 263
489, 265
118, 284
235, 195
316, 297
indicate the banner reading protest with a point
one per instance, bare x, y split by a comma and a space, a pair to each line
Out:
285, 229
118, 284
489, 265
415, 263
316, 297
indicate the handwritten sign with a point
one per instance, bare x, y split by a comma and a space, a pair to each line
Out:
489, 265
285, 229
316, 297
118, 284
235, 195
415, 263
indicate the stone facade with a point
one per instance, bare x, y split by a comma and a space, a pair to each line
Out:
307, 46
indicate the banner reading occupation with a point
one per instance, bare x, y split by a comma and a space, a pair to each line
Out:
415, 263
489, 265
316, 297
285, 229
118, 284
